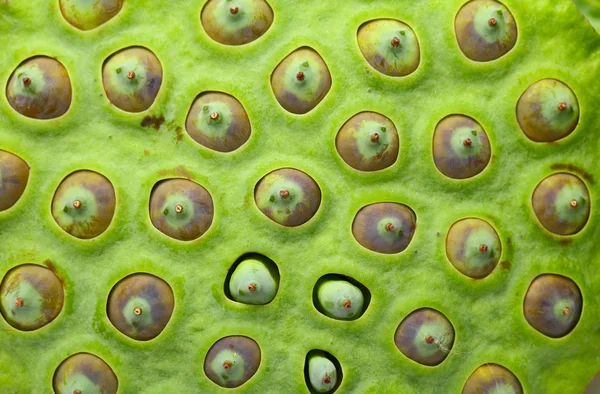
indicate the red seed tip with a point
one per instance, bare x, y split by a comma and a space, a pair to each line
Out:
429, 339
284, 193
214, 116
300, 76
326, 379
252, 287
483, 248
234, 10
562, 106
467, 142
347, 304
375, 137
26, 81
76, 391
395, 42
131, 75
566, 311
137, 311
493, 22
77, 204
19, 302
574, 203
390, 227
227, 365
178, 208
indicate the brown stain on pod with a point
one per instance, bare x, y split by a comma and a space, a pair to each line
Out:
40, 88
240, 24
488, 378
14, 174
92, 367
245, 347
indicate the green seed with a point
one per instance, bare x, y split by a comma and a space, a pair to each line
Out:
135, 89
561, 203
389, 46
288, 196
86, 373
84, 204
232, 361
473, 247
236, 22
321, 372
457, 152
14, 174
548, 111
492, 379
31, 296
368, 142
425, 336
89, 14
301, 81
226, 131
339, 299
255, 280
140, 306
181, 209
485, 30
553, 305
384, 227
40, 88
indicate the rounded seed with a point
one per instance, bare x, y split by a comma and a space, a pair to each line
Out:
548, 111
299, 202
31, 296
368, 142
322, 372
132, 78
14, 174
89, 14
140, 306
84, 204
552, 203
40, 88
553, 305
492, 379
485, 30
181, 209
339, 299
236, 25
453, 155
425, 336
371, 227
255, 280
232, 361
226, 128
473, 247
389, 46
86, 373
301, 95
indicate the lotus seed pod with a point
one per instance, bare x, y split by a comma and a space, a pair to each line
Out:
553, 305
132, 78
461, 148
485, 30
14, 174
301, 81
384, 227
84, 373
181, 209
232, 361
140, 306
548, 111
84, 204
218, 121
562, 204
89, 14
288, 196
340, 299
236, 22
40, 88
254, 281
473, 247
492, 379
31, 296
390, 46
425, 336
368, 142
322, 373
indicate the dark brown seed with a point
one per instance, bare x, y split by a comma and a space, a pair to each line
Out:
232, 25
85, 369
492, 379
232, 361
14, 174
89, 14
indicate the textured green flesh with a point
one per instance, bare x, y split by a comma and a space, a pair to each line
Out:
554, 42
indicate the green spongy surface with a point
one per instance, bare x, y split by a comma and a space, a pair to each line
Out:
554, 42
